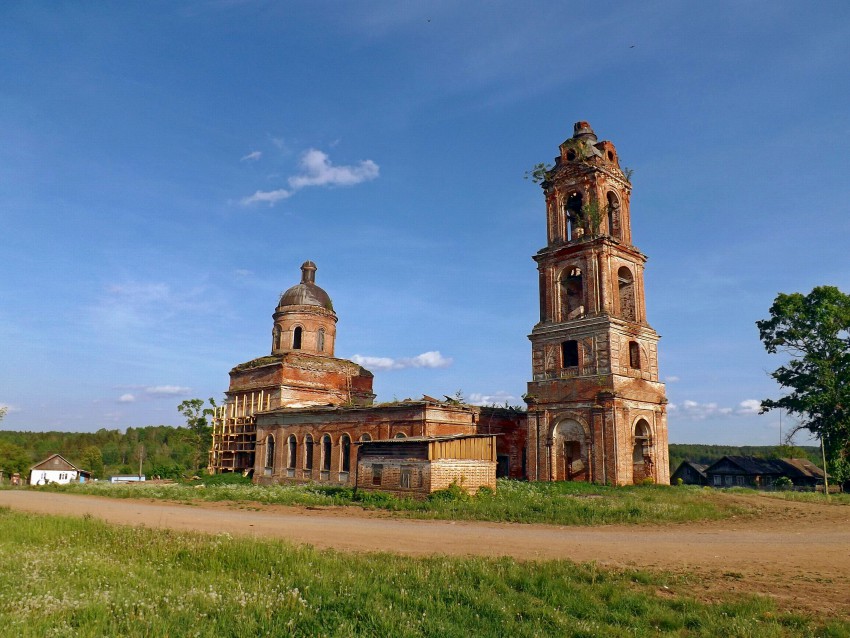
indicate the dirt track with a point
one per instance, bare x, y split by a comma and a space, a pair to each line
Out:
798, 553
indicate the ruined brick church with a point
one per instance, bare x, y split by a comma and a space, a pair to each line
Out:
596, 410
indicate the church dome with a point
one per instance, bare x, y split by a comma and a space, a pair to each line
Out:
307, 293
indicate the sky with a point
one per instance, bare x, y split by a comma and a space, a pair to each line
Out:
165, 168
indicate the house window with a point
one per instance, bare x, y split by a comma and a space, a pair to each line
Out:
377, 473
345, 453
569, 354
320, 340
717, 480
296, 338
308, 452
729, 479
740, 480
406, 477
326, 453
293, 451
634, 355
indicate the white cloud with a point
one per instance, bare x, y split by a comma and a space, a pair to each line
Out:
431, 359
9, 408
317, 170
126, 398
749, 406
167, 390
270, 197
243, 272
253, 156
699, 411
671, 379
498, 398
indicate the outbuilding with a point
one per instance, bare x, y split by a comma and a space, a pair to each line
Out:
418, 466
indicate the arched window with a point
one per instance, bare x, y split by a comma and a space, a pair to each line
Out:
296, 338
569, 354
308, 452
400, 435
634, 355
292, 446
269, 454
627, 294
613, 215
326, 453
345, 453
320, 340
366, 437
276, 338
572, 293
573, 216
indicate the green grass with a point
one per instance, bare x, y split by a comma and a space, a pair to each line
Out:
514, 501
81, 577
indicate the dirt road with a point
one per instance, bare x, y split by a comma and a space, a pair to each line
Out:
798, 553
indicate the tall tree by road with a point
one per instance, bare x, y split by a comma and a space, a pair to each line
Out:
813, 331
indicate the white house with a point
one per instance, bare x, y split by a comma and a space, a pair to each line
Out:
57, 469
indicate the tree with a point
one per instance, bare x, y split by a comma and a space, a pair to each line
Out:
200, 429
92, 460
814, 332
13, 458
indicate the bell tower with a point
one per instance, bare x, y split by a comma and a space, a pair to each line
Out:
596, 408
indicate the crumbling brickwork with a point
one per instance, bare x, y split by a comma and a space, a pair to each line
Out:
597, 409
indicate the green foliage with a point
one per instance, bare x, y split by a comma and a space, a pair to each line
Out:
783, 483
559, 503
813, 331
166, 451
199, 427
13, 458
136, 581
628, 172
538, 172
92, 460
453, 492
592, 213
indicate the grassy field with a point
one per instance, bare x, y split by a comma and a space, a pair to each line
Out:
82, 577
514, 501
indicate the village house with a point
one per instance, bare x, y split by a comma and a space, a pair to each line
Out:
596, 408
750, 471
57, 469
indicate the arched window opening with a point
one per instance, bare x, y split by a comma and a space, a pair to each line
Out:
642, 452
572, 294
634, 355
365, 437
627, 294
613, 215
569, 354
400, 435
308, 452
326, 453
296, 338
276, 338
573, 216
293, 451
269, 454
345, 453
320, 340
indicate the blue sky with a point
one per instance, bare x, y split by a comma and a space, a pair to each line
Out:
165, 167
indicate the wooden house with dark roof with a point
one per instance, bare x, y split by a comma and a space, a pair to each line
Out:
691, 474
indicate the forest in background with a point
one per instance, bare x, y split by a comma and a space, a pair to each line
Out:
173, 452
